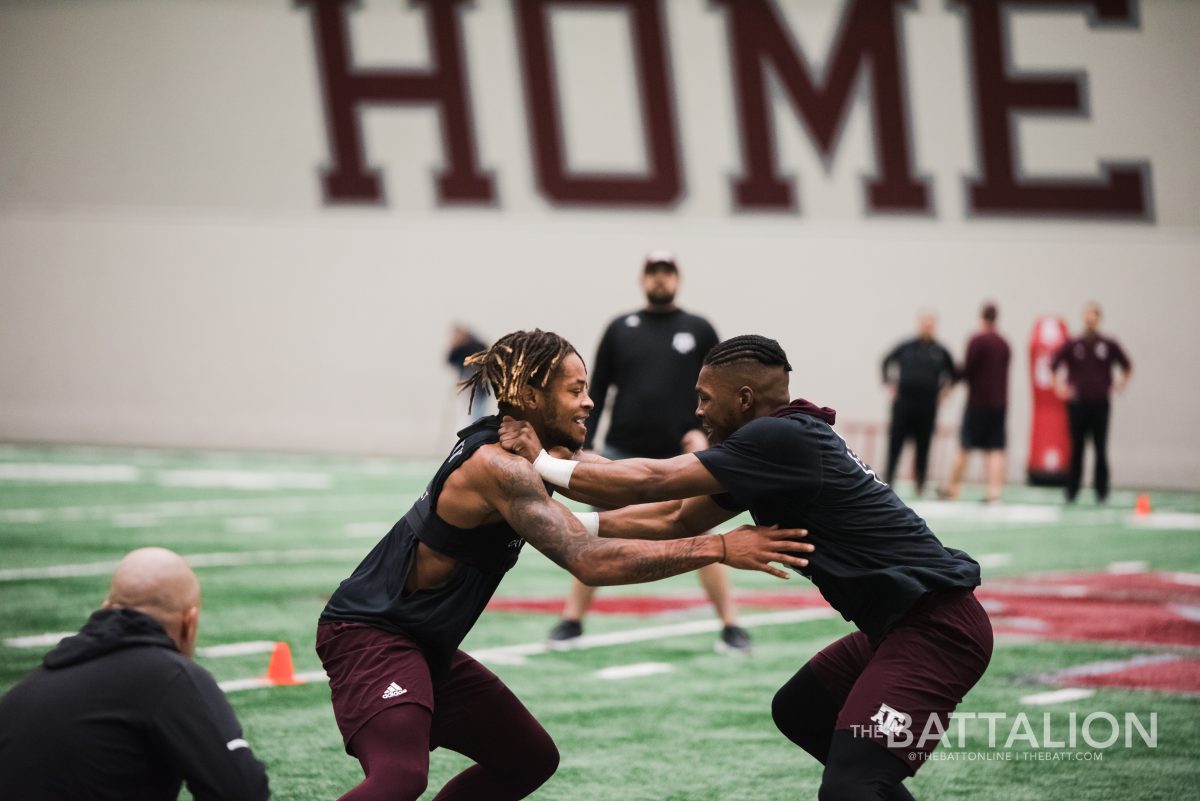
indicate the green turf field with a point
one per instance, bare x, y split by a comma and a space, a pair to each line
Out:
272, 535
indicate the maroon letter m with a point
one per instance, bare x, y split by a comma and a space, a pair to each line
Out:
868, 35
345, 89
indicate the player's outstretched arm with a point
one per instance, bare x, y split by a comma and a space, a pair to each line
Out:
517, 493
664, 520
613, 484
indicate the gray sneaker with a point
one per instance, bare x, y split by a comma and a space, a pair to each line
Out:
734, 640
565, 635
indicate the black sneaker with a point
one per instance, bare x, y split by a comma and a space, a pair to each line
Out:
734, 640
565, 635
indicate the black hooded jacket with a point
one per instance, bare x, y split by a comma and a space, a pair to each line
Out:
116, 712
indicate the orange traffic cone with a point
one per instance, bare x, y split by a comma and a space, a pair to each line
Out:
279, 669
1142, 507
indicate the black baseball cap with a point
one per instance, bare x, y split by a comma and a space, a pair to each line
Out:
660, 260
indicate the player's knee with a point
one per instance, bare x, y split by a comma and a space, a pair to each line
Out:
802, 712
783, 712
403, 782
539, 761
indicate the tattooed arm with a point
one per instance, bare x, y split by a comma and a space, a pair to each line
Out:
516, 491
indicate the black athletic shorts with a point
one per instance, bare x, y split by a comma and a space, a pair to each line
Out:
983, 429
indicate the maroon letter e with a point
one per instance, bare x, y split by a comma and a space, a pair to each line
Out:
1121, 192
345, 89
869, 36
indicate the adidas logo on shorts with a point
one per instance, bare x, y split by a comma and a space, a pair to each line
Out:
394, 690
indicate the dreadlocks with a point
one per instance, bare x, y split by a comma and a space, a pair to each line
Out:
517, 360
746, 348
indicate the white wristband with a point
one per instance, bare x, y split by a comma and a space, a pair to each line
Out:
591, 521
556, 471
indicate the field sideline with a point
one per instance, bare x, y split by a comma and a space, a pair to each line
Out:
1088, 599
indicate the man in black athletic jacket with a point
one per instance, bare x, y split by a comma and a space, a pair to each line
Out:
868, 706
651, 356
389, 636
120, 711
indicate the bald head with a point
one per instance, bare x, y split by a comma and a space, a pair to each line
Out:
926, 324
159, 583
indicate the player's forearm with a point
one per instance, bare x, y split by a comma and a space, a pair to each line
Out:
635, 561
657, 521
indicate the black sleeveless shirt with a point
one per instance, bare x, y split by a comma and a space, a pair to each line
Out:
436, 619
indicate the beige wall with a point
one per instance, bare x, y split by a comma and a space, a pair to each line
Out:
169, 273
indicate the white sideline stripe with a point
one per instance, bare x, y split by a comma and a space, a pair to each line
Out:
38, 640
245, 479
994, 559
237, 649
1058, 696
52, 473
1175, 520
221, 559
637, 670
505, 654
1124, 568
1190, 579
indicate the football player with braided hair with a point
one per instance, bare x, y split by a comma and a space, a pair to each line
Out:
389, 636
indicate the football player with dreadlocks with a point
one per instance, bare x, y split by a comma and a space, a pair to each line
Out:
389, 636
870, 707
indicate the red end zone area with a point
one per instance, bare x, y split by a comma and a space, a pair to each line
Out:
1156, 610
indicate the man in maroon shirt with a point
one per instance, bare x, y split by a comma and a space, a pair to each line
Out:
1083, 377
986, 374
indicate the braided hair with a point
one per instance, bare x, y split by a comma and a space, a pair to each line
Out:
516, 361
748, 348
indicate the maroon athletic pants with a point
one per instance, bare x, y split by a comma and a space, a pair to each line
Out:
392, 714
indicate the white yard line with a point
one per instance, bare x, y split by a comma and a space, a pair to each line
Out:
219, 507
1125, 568
367, 529
233, 685
1058, 696
987, 513
38, 640
208, 651
1167, 520
245, 479
219, 559
510, 654
236, 649
1106, 666
634, 671
993, 559
54, 473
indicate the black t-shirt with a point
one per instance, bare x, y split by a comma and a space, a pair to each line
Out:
653, 359
925, 367
874, 556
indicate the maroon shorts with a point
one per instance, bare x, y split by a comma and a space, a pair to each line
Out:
920, 669
371, 670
